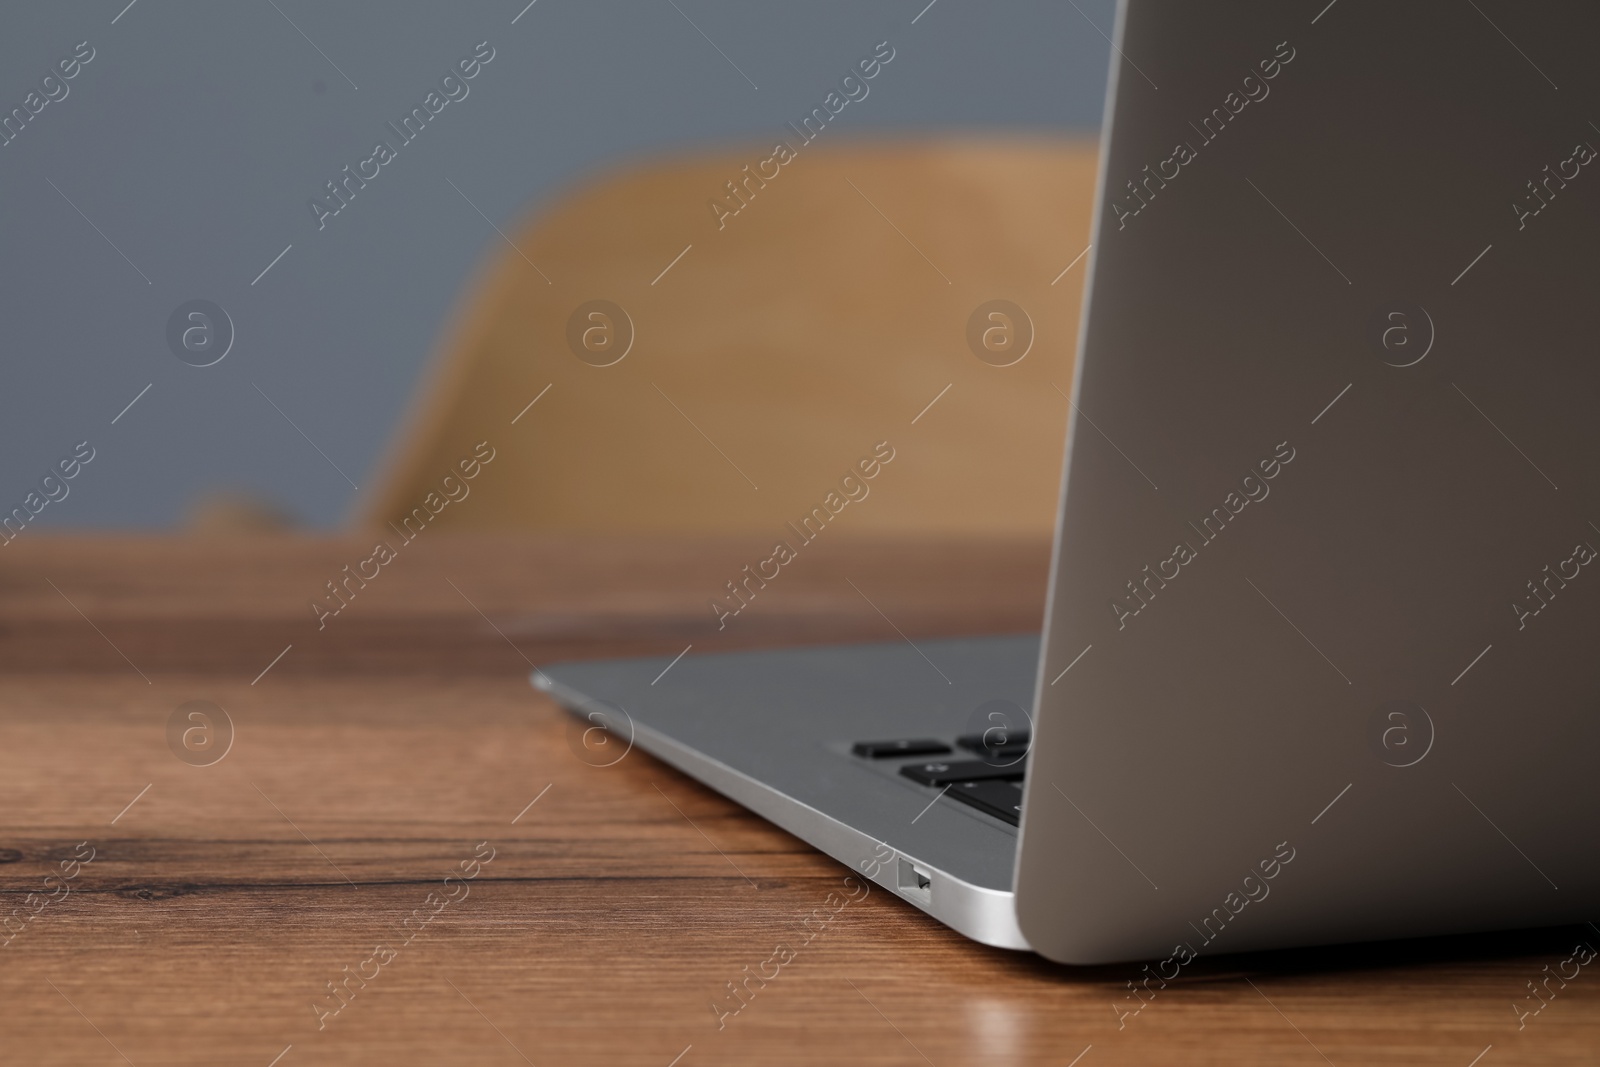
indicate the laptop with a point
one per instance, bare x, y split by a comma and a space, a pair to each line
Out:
1322, 667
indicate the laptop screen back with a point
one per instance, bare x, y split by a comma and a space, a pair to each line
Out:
1320, 663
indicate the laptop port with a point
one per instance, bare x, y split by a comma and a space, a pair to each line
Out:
915, 882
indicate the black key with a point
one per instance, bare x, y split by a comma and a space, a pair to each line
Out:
885, 749
961, 771
990, 744
1001, 799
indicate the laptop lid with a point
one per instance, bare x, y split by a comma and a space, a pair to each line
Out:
1320, 653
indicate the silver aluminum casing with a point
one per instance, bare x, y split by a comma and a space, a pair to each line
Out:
1343, 675
772, 731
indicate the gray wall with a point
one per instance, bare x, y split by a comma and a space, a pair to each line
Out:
196, 135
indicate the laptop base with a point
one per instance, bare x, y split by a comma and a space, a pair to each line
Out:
777, 732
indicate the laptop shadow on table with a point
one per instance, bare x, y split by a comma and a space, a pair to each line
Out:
1371, 957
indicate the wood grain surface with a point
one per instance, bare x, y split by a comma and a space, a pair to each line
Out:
595, 914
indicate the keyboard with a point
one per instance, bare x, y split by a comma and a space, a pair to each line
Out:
983, 771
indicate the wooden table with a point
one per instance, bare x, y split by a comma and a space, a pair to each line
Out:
401, 745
